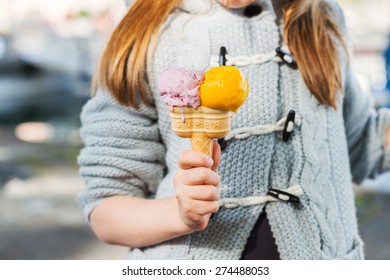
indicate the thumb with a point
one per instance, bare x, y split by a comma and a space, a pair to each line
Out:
216, 157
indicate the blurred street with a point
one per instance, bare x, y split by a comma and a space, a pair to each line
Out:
39, 215
373, 210
48, 53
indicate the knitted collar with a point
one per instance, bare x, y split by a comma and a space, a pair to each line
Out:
203, 6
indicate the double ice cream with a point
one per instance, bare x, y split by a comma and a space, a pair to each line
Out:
201, 104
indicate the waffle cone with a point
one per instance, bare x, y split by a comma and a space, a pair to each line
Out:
200, 142
201, 125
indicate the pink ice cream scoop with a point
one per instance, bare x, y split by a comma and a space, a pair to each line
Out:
180, 87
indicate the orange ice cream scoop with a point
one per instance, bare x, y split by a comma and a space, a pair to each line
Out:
224, 88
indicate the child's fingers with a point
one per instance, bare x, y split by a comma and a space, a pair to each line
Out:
197, 176
216, 157
190, 159
204, 192
198, 207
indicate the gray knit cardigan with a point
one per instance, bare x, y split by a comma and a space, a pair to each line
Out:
134, 152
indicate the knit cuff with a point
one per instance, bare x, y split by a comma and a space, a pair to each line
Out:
88, 208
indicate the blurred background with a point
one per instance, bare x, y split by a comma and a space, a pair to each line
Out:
48, 51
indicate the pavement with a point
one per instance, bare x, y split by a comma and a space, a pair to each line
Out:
40, 219
39, 215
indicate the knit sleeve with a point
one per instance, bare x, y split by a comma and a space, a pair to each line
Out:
366, 133
123, 153
365, 127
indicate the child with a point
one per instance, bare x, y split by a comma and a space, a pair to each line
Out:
280, 190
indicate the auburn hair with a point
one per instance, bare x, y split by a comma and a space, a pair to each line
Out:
309, 30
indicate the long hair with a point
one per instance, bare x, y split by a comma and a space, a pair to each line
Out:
122, 65
309, 29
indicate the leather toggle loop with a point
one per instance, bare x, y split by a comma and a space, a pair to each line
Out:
289, 59
288, 125
283, 196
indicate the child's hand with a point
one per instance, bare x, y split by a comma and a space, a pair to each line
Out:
388, 139
196, 188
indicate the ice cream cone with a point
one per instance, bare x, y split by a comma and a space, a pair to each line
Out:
201, 125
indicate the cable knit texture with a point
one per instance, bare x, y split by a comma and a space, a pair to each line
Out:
134, 152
